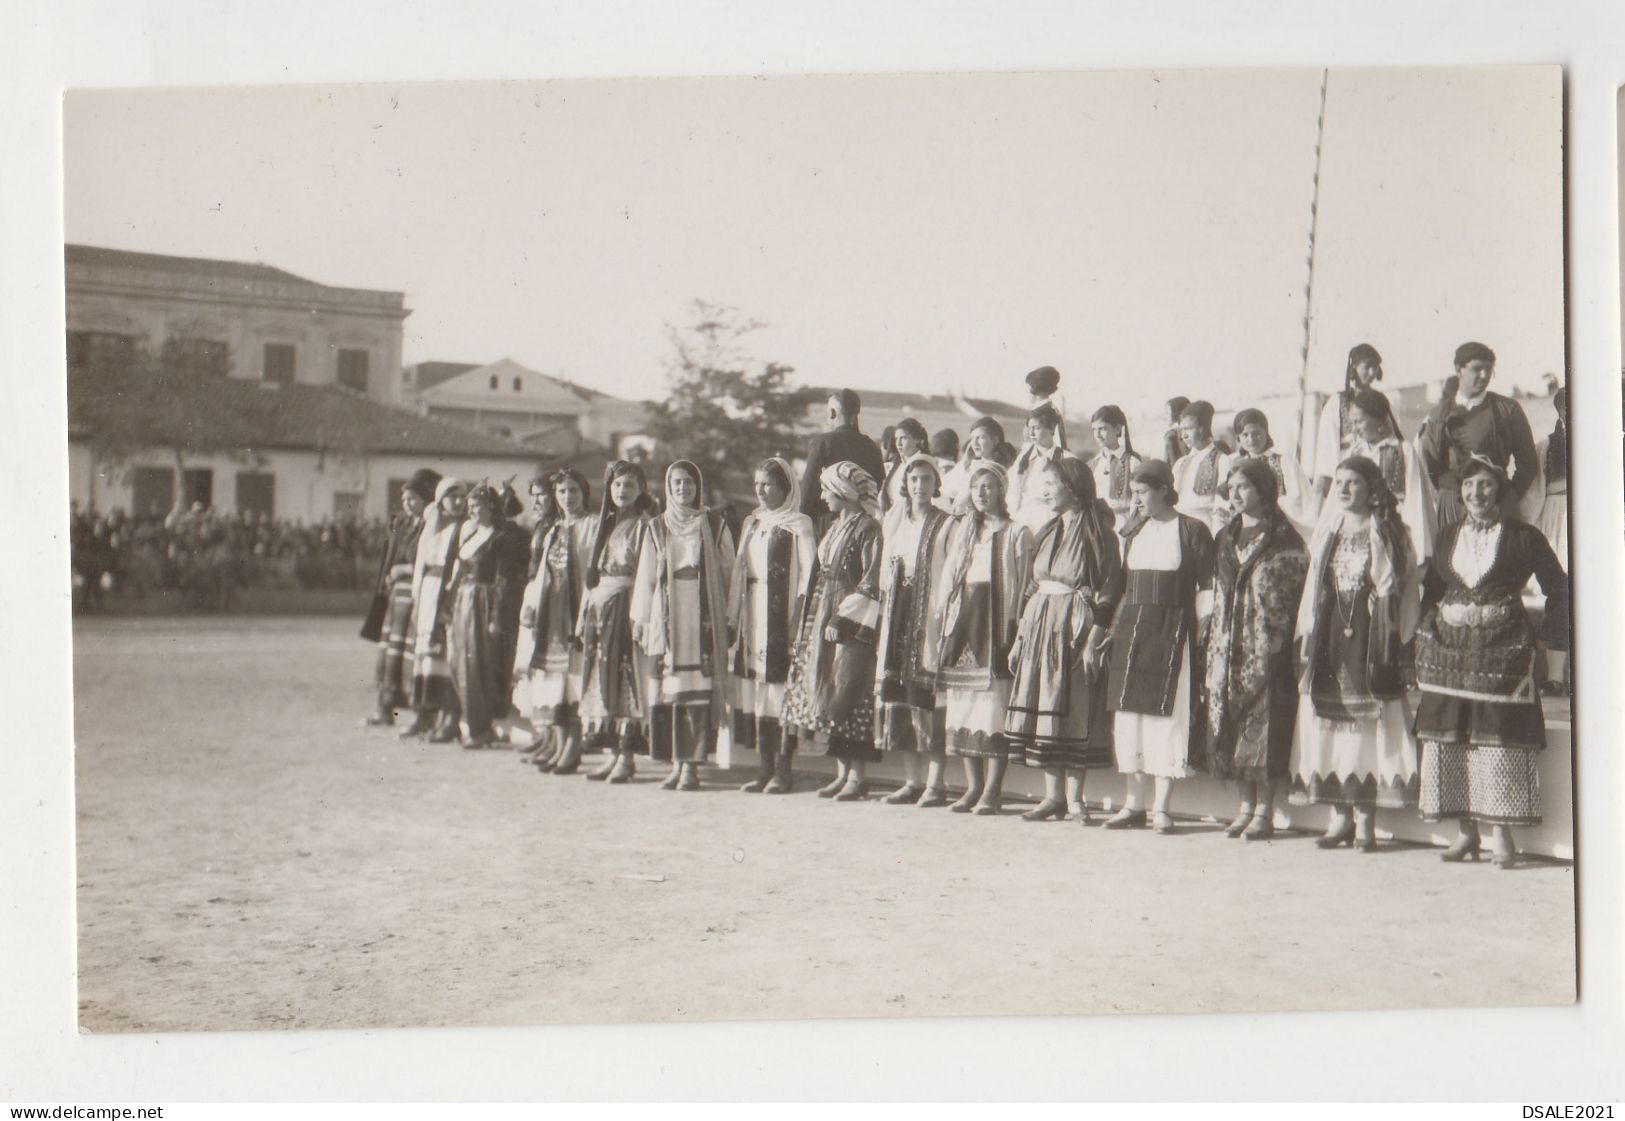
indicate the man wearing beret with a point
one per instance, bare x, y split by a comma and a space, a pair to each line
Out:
840, 442
1475, 421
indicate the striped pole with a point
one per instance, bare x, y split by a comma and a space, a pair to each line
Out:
1309, 282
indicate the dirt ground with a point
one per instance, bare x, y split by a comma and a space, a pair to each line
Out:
250, 857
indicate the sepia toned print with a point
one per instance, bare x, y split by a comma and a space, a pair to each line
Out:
975, 545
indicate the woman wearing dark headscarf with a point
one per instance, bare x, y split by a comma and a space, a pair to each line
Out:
619, 682
1058, 716
548, 654
1260, 564
979, 602
778, 553
1337, 430
908, 440
907, 718
1154, 663
1114, 464
945, 448
1352, 748
488, 579
830, 702
1480, 721
678, 608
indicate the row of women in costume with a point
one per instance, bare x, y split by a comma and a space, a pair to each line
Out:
1137, 639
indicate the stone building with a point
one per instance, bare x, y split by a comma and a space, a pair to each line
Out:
236, 319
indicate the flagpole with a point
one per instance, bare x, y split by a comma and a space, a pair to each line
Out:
1309, 282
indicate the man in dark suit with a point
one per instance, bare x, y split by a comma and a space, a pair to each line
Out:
840, 441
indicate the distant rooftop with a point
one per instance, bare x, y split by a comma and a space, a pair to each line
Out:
220, 274
243, 414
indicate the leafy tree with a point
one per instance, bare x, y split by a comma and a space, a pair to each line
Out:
726, 409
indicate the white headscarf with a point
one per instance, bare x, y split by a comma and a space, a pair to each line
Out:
788, 516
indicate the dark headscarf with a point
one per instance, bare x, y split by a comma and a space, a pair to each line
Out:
1473, 352
1360, 352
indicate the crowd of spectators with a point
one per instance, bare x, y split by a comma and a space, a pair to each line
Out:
209, 556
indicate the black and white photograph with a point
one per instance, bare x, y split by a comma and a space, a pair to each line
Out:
819, 547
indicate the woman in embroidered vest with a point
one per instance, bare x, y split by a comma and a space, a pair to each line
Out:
830, 702
549, 649
678, 604
1154, 665
1199, 473
1114, 464
1480, 721
1352, 747
487, 582
1043, 447
1058, 718
907, 717
1338, 428
433, 695
1260, 563
908, 440
778, 553
1377, 437
618, 678
978, 600
1253, 441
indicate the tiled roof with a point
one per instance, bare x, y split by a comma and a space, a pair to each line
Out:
427, 375
538, 392
220, 413
225, 270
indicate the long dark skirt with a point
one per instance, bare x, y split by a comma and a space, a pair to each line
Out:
480, 661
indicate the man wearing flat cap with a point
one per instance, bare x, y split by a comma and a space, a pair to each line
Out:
392, 597
1472, 421
841, 441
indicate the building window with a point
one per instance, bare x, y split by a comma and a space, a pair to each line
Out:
280, 360
197, 487
353, 369
256, 493
100, 350
518, 384
203, 357
493, 381
152, 491
346, 506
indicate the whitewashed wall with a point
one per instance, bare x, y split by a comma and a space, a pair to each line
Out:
305, 482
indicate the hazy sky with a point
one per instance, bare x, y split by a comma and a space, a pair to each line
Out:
1144, 232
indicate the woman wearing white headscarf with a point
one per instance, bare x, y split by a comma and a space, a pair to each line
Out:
1352, 747
618, 682
907, 718
830, 702
678, 602
778, 552
978, 600
432, 692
